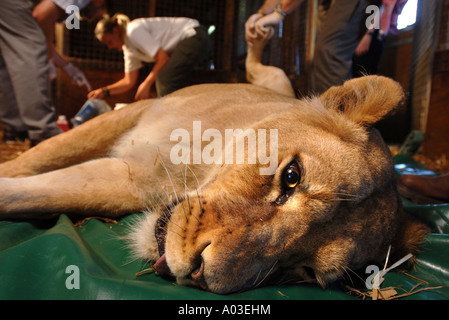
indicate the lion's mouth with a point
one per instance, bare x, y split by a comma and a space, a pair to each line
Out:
160, 233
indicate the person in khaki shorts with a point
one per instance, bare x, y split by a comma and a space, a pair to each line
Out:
175, 45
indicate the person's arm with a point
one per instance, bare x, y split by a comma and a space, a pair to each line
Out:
385, 19
47, 14
161, 58
277, 15
123, 85
272, 12
268, 7
76, 75
287, 6
250, 31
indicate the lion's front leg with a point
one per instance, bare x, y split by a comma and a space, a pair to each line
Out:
92, 140
269, 77
103, 187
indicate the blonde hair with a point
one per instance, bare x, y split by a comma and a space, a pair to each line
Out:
107, 24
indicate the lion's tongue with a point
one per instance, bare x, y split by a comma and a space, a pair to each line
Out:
161, 266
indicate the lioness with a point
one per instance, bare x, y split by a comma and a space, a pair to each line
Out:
328, 203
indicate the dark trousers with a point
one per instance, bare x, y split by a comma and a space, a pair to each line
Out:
369, 62
188, 54
25, 103
337, 38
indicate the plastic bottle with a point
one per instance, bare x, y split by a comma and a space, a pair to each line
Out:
62, 123
90, 109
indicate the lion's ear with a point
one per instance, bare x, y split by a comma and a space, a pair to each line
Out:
364, 100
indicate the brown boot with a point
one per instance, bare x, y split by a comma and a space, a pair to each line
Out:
427, 188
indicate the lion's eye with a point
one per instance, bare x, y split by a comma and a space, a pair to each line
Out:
291, 176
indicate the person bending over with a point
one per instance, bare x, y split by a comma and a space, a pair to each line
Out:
175, 45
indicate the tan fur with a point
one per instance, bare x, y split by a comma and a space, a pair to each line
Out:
266, 76
232, 228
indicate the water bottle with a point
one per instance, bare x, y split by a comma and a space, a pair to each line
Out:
90, 109
62, 123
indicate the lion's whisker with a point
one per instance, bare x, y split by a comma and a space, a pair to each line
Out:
268, 273
169, 178
257, 278
186, 194
164, 215
197, 186
174, 232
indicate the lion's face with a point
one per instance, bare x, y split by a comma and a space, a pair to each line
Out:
331, 205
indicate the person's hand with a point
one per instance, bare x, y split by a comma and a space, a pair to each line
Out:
262, 25
143, 91
77, 76
96, 94
363, 45
250, 31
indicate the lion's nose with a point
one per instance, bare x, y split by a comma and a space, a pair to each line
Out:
197, 275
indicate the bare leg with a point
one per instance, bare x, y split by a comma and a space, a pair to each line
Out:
99, 187
91, 140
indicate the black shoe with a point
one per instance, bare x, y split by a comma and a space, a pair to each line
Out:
14, 136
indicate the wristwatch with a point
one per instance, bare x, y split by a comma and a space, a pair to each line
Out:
279, 10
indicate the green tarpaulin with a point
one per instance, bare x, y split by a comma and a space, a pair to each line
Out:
57, 260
